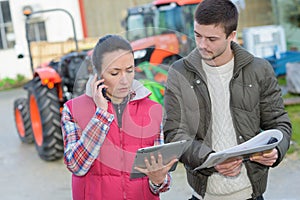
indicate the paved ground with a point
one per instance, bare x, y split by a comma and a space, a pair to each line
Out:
283, 184
25, 176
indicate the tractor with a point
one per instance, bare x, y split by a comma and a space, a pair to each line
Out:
37, 117
161, 32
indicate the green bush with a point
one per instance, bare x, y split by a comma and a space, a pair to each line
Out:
20, 78
8, 83
294, 114
281, 80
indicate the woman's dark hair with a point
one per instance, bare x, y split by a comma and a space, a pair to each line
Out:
107, 44
218, 12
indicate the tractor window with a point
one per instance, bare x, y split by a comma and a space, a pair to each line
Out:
150, 23
135, 21
135, 25
178, 18
142, 25
170, 18
188, 15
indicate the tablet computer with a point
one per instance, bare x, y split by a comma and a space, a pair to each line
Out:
169, 151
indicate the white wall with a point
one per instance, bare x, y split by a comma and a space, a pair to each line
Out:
58, 27
11, 66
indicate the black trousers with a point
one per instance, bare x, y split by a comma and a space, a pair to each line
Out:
258, 198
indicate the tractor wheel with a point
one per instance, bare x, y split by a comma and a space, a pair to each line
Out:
22, 120
45, 117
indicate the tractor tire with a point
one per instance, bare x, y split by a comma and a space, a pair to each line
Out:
45, 117
22, 120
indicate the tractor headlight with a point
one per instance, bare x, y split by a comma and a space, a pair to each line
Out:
139, 54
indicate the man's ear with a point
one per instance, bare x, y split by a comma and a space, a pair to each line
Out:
233, 36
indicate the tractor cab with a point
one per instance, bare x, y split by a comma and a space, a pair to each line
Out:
161, 32
141, 19
177, 15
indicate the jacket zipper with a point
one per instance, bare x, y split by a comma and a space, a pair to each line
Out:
234, 124
122, 157
118, 112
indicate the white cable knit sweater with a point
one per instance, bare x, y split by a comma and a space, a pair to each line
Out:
223, 135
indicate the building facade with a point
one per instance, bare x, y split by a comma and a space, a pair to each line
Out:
49, 26
93, 18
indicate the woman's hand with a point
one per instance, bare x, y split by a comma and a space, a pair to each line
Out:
231, 167
267, 158
98, 98
155, 170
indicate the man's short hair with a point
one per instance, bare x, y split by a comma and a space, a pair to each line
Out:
218, 12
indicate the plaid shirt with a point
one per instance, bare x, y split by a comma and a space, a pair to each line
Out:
82, 146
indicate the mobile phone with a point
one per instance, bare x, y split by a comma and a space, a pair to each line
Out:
103, 90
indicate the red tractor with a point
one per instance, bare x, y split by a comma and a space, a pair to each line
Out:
161, 32
38, 116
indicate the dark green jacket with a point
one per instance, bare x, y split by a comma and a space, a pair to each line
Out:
255, 103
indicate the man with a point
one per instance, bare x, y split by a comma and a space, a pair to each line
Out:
220, 96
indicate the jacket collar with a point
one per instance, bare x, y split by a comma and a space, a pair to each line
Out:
138, 90
241, 58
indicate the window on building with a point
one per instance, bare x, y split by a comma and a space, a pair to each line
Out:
7, 36
37, 31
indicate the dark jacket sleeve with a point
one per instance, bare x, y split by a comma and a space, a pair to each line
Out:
177, 125
273, 114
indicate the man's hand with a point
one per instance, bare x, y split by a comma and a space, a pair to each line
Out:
155, 170
267, 158
230, 167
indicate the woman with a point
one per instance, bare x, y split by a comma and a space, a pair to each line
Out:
103, 128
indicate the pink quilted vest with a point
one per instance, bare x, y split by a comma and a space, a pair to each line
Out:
109, 175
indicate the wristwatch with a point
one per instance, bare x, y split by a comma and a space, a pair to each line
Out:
155, 186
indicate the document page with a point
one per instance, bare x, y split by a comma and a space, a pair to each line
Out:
265, 140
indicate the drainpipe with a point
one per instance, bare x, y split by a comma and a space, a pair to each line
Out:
83, 19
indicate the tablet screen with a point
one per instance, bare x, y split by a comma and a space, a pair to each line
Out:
169, 151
